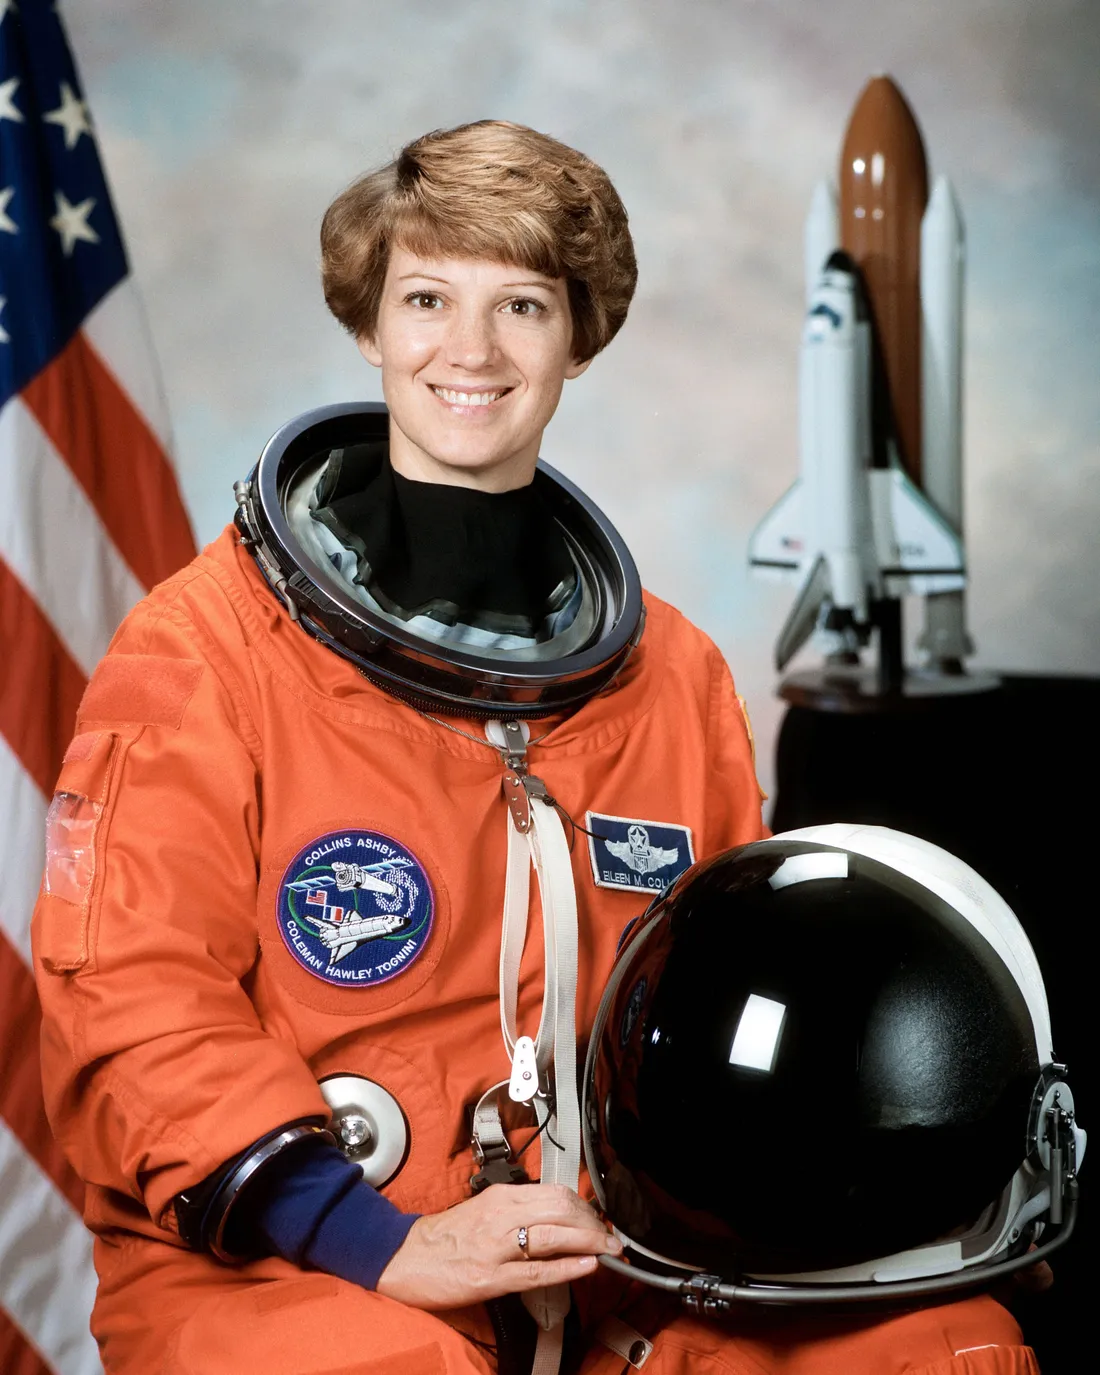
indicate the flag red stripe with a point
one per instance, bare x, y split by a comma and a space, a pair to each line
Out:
40, 687
21, 1075
116, 458
17, 1356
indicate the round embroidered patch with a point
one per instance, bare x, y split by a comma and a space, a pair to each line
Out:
355, 908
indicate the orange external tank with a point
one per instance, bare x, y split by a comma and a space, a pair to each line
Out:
883, 192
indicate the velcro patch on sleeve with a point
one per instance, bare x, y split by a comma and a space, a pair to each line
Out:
147, 689
81, 747
86, 768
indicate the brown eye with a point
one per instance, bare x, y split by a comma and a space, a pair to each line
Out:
524, 306
424, 300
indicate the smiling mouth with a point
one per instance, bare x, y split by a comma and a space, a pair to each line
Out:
470, 398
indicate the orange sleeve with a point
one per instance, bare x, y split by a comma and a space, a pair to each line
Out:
733, 794
156, 1068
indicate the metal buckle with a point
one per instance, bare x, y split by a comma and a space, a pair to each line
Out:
702, 1294
497, 1167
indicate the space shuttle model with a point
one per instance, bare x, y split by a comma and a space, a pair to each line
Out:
876, 512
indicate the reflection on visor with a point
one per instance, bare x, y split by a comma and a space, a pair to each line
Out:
801, 868
757, 1037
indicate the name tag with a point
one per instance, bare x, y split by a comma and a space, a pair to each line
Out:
631, 855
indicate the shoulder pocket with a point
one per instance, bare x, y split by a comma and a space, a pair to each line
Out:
75, 826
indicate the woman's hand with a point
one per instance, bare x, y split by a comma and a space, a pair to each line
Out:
471, 1252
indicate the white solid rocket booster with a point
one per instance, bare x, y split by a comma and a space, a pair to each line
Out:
820, 235
941, 290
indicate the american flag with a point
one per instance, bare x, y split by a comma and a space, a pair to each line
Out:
90, 518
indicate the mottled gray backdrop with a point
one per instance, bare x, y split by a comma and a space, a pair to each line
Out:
227, 126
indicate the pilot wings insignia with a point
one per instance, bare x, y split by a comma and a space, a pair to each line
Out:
638, 854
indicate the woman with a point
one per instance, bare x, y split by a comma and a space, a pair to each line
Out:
281, 837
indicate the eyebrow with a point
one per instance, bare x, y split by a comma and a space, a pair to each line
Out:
547, 283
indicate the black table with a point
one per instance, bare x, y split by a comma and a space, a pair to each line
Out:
1007, 780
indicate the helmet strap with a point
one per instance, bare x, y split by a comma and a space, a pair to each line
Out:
544, 1068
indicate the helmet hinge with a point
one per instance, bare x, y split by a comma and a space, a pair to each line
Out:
242, 491
1059, 1135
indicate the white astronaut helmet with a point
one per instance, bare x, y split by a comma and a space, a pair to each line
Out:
822, 1073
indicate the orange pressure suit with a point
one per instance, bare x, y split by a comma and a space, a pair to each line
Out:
216, 743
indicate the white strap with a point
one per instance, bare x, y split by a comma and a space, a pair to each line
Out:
548, 1346
550, 853
517, 891
560, 1155
624, 1341
542, 844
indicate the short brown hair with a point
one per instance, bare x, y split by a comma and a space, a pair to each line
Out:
490, 190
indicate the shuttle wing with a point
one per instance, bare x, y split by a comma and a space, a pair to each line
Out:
777, 544
918, 551
802, 619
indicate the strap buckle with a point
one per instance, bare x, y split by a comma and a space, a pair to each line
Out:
500, 1170
496, 1166
492, 1151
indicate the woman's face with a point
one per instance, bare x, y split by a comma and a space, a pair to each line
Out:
473, 357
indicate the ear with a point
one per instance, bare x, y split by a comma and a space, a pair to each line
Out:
576, 368
369, 349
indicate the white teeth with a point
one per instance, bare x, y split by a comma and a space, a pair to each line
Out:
462, 398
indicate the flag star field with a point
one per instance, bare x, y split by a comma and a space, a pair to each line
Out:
60, 249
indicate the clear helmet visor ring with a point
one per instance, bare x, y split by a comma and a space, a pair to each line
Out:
430, 674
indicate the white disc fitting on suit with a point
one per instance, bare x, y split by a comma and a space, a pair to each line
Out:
368, 1124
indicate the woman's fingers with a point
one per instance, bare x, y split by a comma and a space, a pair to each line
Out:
471, 1252
549, 1239
534, 1274
533, 1205
555, 1221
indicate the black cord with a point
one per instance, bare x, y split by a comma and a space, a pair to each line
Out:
534, 1137
574, 826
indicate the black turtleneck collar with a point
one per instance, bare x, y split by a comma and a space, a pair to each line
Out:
495, 560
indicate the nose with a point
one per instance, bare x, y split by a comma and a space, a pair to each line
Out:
471, 340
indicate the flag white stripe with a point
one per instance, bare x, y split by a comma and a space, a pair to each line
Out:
47, 1283
54, 542
119, 332
22, 848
